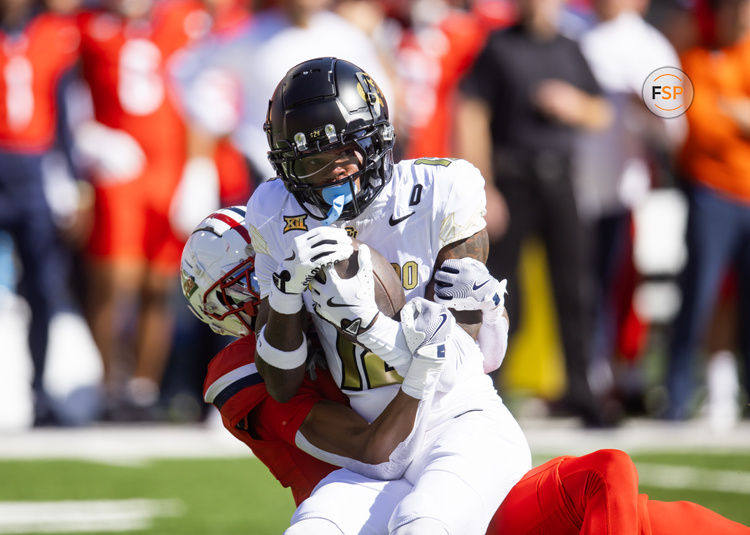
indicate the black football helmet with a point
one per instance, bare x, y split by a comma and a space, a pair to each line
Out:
325, 107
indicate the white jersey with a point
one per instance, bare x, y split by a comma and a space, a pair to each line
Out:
428, 204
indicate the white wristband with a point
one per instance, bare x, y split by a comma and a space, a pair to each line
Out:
286, 360
386, 339
423, 375
284, 303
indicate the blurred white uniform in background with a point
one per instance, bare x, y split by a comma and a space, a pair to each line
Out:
613, 173
255, 59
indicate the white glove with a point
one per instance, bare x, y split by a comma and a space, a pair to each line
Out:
466, 284
427, 327
113, 154
349, 304
425, 323
311, 251
196, 196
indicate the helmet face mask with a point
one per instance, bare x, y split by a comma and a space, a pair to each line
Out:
234, 294
322, 109
218, 273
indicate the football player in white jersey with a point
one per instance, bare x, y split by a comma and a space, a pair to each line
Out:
331, 145
218, 281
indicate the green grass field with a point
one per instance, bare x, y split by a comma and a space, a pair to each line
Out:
233, 496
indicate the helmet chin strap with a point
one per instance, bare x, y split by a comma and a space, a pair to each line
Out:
337, 197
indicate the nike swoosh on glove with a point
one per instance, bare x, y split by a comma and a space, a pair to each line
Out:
466, 284
427, 327
425, 323
349, 304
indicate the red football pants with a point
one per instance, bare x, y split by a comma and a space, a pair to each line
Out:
598, 494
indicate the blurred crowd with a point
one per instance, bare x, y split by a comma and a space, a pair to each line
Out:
124, 122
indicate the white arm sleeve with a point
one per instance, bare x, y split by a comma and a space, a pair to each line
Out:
493, 338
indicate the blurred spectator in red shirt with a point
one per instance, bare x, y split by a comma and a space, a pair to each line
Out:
136, 147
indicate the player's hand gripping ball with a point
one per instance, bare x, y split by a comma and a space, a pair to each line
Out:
310, 252
350, 293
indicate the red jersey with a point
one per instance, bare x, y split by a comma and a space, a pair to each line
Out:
268, 427
31, 69
126, 65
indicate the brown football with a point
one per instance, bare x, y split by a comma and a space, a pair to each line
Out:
389, 294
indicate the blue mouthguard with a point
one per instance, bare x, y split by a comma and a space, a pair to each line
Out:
337, 197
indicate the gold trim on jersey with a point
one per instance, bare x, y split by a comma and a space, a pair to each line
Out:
451, 232
256, 238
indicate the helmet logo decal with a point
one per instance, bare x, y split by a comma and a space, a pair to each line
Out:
295, 222
188, 285
368, 96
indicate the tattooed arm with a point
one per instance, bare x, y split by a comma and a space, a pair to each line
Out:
476, 246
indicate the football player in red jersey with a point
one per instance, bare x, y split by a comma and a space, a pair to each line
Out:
136, 145
596, 493
30, 81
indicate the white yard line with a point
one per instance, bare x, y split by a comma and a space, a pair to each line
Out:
83, 516
688, 477
558, 437
122, 444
